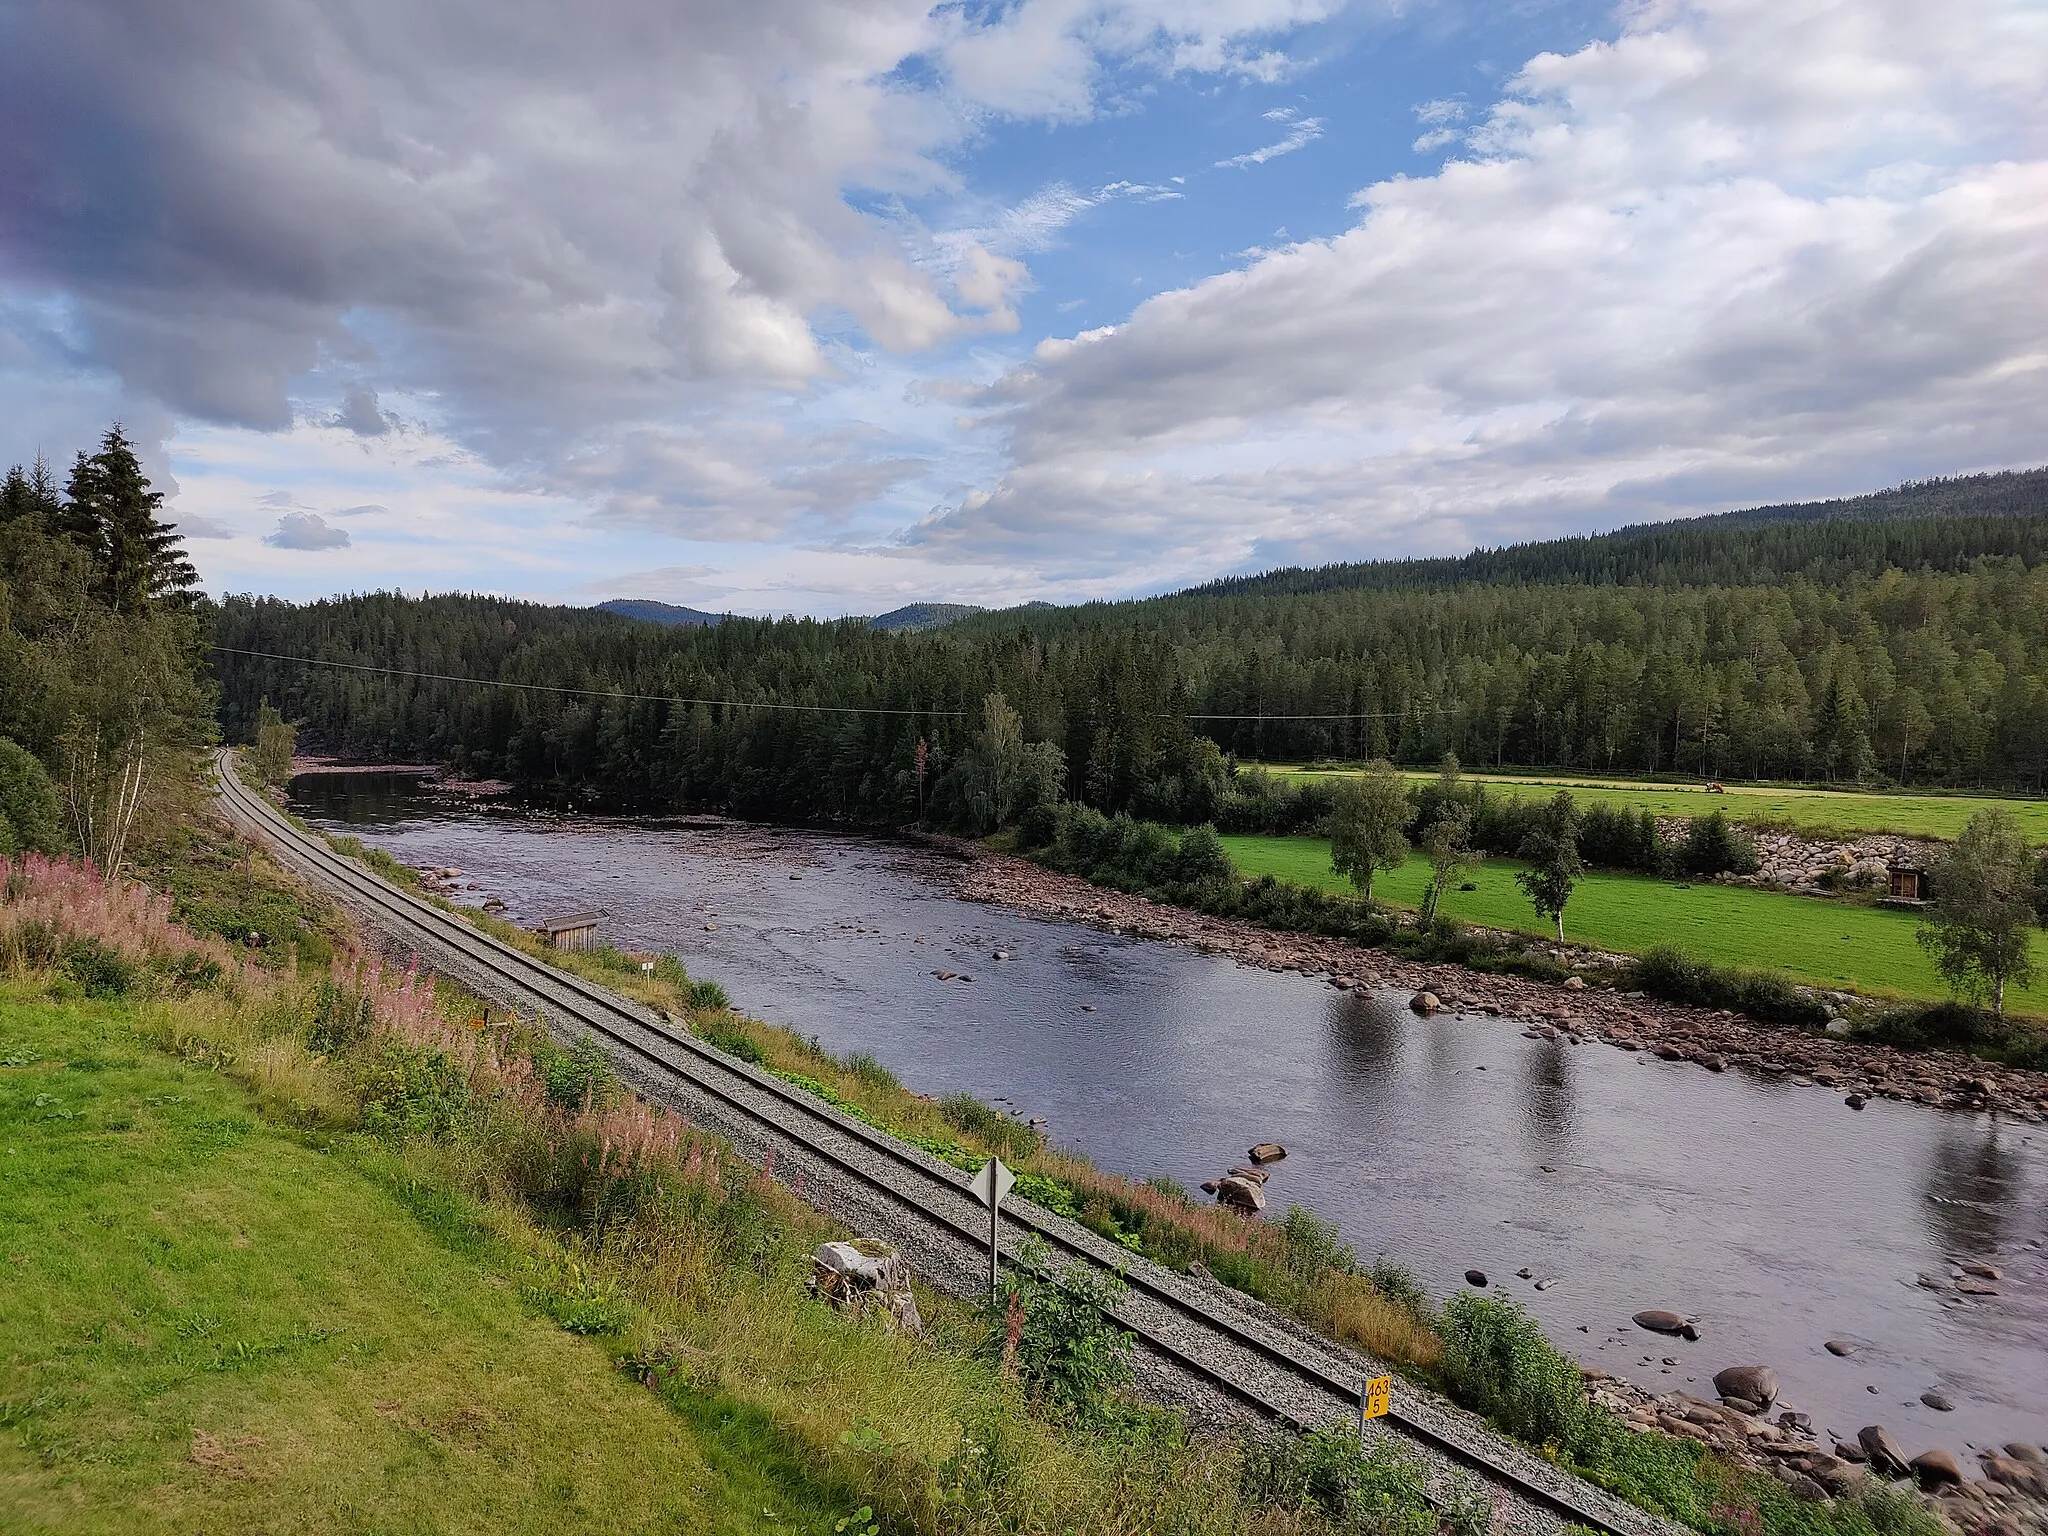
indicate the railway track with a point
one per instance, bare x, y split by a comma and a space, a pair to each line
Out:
1211, 1343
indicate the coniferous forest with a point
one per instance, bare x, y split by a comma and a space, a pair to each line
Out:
1895, 638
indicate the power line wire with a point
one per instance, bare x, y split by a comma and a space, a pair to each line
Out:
670, 698
588, 693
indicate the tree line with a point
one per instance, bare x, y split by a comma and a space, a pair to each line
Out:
1933, 674
102, 652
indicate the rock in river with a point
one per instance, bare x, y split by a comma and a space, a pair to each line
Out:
1842, 1347
1424, 1003
1758, 1383
1475, 1277
1243, 1194
1658, 1320
1933, 1468
1884, 1450
1938, 1400
1267, 1152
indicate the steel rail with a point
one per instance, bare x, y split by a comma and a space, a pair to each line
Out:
566, 994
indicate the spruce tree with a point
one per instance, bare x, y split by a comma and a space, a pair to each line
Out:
111, 511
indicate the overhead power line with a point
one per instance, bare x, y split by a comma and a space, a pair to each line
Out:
671, 698
587, 693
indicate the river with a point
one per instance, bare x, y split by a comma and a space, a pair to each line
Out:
1768, 1211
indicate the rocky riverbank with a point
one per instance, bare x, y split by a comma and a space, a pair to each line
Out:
2009, 1498
1575, 1012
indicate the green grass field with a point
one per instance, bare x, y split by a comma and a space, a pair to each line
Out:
212, 1326
1824, 942
1823, 811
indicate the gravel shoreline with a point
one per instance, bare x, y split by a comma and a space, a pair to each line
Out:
1715, 1039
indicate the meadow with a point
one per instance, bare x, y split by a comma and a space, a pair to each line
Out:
1822, 812
1827, 943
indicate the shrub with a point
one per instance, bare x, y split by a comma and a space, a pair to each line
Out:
98, 968
708, 994
1068, 1349
578, 1077
1381, 1491
1677, 977
1501, 1365
1623, 837
343, 1016
1713, 847
409, 1090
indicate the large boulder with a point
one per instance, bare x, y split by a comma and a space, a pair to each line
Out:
1937, 1467
1659, 1320
1240, 1194
865, 1273
1267, 1152
1884, 1450
1424, 1003
1755, 1383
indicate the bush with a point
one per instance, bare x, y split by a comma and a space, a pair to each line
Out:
1713, 847
1677, 977
1621, 837
578, 1076
1501, 1365
708, 994
31, 816
1381, 1491
409, 1091
1067, 1348
99, 969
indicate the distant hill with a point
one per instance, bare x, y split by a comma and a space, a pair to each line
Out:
912, 618
652, 612
1940, 525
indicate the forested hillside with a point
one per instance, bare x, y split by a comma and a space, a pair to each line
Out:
1912, 649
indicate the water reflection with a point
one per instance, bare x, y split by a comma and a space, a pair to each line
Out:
1968, 1185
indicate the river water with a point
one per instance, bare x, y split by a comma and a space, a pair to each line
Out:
1767, 1210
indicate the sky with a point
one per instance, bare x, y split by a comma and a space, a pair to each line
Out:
796, 307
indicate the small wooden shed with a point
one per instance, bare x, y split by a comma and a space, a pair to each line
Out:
1908, 878
576, 931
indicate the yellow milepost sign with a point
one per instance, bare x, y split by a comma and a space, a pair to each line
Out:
1379, 1396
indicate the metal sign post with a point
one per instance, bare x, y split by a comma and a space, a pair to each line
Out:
989, 1186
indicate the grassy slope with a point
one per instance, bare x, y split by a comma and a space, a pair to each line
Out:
210, 1325
1824, 942
1826, 812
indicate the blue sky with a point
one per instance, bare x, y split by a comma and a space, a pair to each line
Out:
822, 308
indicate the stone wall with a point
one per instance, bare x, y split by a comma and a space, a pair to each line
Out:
1797, 863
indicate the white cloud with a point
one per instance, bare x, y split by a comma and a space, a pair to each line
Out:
1305, 133
1747, 249
196, 525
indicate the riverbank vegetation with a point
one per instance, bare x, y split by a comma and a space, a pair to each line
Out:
309, 1247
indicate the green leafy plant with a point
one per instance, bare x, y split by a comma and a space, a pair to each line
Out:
1068, 1350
